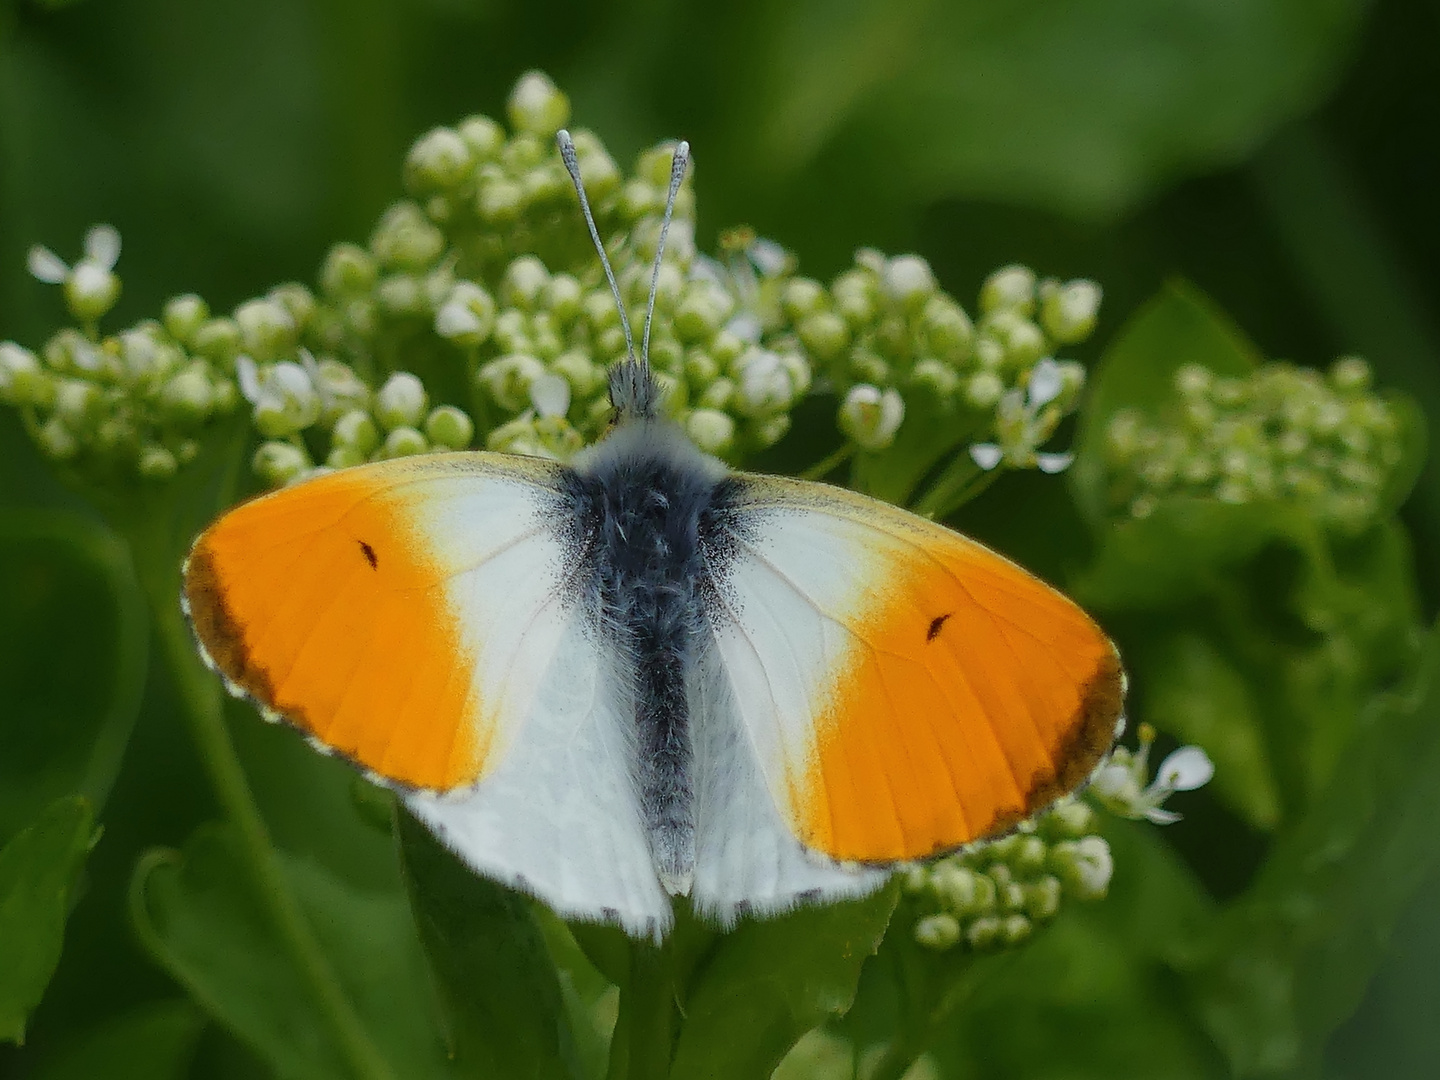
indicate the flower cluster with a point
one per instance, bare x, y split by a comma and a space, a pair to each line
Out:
884, 333
1120, 784
1324, 442
994, 894
130, 403
478, 313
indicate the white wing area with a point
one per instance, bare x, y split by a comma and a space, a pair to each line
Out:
747, 859
559, 817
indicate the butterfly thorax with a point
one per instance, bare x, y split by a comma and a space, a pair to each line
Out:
643, 501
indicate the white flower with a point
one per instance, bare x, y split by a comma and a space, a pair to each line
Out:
1120, 781
91, 287
871, 417
765, 383
284, 398
1025, 419
550, 395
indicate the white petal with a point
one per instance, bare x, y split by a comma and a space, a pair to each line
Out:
1161, 817
102, 244
987, 455
1046, 382
1053, 463
453, 320
550, 394
768, 256
745, 326
46, 266
249, 378
1186, 769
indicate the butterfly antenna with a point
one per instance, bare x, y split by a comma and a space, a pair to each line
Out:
572, 166
678, 161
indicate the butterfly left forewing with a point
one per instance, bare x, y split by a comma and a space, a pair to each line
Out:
905, 690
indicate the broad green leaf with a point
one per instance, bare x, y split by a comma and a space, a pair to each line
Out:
1180, 325
198, 914
1291, 958
769, 981
38, 871
153, 1042
1081, 108
591, 1000
500, 995
1194, 692
72, 660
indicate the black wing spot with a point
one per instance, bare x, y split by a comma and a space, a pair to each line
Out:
369, 553
935, 625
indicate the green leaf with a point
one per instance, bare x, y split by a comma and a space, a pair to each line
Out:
931, 431
769, 981
500, 994
1196, 693
1292, 957
1081, 108
73, 645
1180, 325
198, 915
153, 1042
38, 871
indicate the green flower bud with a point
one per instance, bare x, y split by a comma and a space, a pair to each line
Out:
825, 334
1083, 866
801, 297
76, 403
401, 402
639, 199
938, 932
499, 201
22, 380
765, 384
866, 367
449, 427
342, 456
984, 389
720, 394
187, 398
769, 430
285, 400
91, 290
467, 317
438, 161
1014, 929
184, 316
1011, 288
1068, 312
1024, 342
156, 463
1069, 818
357, 431
983, 932
598, 170
564, 297
946, 328
404, 442
536, 106
525, 283
857, 297
870, 417
1042, 898
280, 463
937, 379
1028, 856
711, 430
909, 282
340, 389
1350, 375
218, 340
667, 355
508, 378
297, 300
267, 330
512, 331
584, 377
405, 239
483, 136
960, 890
700, 368
348, 270
402, 294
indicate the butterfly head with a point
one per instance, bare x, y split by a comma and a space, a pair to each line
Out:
634, 393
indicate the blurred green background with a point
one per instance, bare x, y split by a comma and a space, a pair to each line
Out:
1279, 153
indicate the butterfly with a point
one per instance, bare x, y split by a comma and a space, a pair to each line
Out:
643, 675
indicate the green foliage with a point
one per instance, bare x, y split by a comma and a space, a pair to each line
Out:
1283, 632
39, 867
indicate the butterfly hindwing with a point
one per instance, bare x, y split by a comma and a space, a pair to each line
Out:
904, 690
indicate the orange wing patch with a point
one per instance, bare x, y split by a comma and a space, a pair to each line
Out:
973, 696
323, 603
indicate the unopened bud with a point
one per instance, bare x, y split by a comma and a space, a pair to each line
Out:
871, 417
401, 402
279, 463
536, 106
467, 316
184, 316
1068, 312
405, 442
938, 932
1011, 288
156, 463
267, 330
909, 281
711, 430
438, 161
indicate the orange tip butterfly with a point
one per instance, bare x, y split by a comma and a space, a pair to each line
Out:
643, 675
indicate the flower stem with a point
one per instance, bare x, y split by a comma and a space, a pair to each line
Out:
644, 1036
961, 481
199, 692
824, 468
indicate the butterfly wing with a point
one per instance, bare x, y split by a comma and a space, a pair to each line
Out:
420, 618
902, 690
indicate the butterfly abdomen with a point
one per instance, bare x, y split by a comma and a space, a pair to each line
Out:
643, 495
